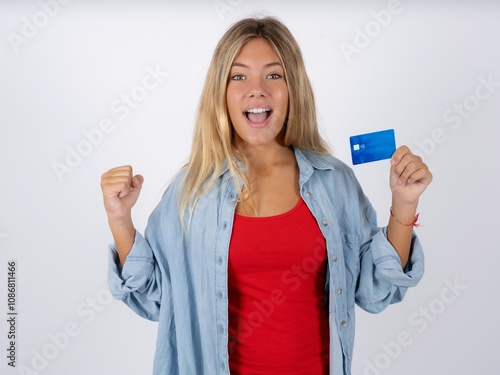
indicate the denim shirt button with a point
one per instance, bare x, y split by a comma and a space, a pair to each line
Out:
220, 260
339, 290
343, 324
308, 194
224, 226
324, 222
334, 258
220, 295
220, 328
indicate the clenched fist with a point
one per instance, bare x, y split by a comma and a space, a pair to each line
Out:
120, 192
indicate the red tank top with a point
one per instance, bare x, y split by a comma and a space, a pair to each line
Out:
278, 314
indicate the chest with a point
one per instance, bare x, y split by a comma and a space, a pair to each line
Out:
273, 246
270, 194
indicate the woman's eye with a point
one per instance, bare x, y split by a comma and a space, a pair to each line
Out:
274, 76
237, 77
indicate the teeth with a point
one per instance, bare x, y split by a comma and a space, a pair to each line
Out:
258, 110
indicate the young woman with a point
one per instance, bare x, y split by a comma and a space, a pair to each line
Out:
261, 246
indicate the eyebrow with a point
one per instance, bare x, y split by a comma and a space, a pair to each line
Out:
271, 64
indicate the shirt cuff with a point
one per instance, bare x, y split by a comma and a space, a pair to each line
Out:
138, 266
388, 264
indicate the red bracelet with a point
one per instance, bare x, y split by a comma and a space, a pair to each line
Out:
413, 224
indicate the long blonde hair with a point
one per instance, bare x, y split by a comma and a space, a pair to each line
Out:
212, 148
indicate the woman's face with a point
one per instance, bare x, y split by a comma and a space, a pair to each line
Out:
257, 95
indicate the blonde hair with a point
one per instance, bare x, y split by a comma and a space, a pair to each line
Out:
212, 147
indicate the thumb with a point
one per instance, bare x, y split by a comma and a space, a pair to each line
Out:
136, 184
134, 190
395, 181
137, 181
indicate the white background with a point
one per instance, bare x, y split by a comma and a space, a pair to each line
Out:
65, 76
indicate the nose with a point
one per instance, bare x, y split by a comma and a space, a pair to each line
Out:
257, 88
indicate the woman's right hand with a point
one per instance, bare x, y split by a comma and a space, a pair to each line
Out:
120, 191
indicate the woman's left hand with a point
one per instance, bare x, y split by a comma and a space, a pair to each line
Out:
409, 177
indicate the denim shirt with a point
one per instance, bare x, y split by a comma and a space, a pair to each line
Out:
180, 280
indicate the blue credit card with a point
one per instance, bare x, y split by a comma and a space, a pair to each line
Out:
369, 147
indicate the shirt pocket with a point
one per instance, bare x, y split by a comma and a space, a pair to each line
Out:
351, 247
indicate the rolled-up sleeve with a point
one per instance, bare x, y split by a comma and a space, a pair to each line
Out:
138, 282
382, 280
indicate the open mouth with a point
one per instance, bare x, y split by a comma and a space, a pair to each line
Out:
258, 115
